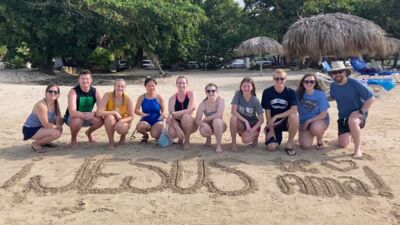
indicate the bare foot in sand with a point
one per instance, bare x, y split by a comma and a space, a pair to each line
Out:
121, 141
111, 146
357, 155
90, 137
187, 146
254, 143
73, 145
208, 141
219, 149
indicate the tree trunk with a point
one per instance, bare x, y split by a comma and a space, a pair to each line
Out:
395, 60
138, 57
156, 62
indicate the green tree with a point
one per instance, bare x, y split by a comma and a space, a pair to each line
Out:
50, 28
224, 28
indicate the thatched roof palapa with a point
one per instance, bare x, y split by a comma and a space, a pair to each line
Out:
340, 35
259, 46
393, 46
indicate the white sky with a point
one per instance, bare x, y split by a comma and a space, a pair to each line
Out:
241, 3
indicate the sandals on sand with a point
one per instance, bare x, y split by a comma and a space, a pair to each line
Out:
319, 146
38, 150
290, 151
145, 139
50, 145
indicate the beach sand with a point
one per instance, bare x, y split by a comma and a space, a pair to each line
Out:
146, 184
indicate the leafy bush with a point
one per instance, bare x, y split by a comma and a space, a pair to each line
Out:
100, 58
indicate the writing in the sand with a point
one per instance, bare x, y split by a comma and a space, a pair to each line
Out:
289, 182
89, 172
343, 186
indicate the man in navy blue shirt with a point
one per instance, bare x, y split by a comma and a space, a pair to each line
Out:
280, 105
353, 102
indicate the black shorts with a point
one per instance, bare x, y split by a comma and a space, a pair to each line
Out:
343, 124
28, 132
283, 126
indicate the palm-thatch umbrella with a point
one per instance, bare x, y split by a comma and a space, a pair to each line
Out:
393, 46
393, 49
259, 46
340, 35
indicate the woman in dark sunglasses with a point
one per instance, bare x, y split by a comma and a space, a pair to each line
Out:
212, 107
313, 111
44, 124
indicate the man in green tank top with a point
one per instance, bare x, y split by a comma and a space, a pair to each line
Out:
81, 101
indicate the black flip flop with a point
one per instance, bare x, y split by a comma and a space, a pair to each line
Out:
290, 151
50, 145
39, 150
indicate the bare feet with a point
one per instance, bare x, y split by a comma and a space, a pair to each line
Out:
357, 155
90, 137
187, 146
219, 149
111, 146
73, 145
121, 141
254, 143
233, 147
180, 141
208, 141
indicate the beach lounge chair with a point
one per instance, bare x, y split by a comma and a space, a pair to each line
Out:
362, 69
377, 85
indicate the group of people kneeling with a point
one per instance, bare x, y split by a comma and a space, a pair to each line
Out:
304, 111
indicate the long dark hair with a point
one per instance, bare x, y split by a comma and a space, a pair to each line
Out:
251, 81
301, 90
56, 105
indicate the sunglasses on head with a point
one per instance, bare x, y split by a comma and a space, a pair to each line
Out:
211, 91
309, 81
337, 72
53, 92
279, 78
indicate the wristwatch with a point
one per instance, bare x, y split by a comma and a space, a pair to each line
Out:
361, 112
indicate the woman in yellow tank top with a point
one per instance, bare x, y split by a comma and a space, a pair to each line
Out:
117, 110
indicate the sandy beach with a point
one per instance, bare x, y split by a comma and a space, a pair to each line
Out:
145, 184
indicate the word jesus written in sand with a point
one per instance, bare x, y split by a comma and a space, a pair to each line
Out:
344, 186
89, 172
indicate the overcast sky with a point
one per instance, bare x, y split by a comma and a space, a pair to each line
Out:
241, 3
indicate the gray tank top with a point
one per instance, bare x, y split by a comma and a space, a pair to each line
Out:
208, 113
33, 119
